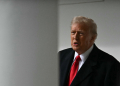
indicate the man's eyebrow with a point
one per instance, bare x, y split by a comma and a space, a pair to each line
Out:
80, 30
72, 30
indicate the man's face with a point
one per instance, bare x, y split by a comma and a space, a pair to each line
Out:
81, 38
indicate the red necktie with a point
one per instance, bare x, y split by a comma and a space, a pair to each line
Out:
74, 69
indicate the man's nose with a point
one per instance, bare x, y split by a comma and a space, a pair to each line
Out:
76, 36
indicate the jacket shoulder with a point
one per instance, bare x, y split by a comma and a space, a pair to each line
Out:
65, 52
107, 56
107, 60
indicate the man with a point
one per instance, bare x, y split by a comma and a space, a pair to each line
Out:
92, 66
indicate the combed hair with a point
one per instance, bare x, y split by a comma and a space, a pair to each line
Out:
89, 22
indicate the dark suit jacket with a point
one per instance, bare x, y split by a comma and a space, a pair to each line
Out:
100, 69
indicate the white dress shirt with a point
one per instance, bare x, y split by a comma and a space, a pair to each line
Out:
83, 57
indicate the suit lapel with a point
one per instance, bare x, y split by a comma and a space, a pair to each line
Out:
66, 64
87, 68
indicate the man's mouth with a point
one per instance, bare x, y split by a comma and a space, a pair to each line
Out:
75, 43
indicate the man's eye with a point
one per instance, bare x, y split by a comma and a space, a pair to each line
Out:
81, 33
72, 32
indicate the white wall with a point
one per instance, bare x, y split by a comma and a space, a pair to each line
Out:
28, 43
107, 16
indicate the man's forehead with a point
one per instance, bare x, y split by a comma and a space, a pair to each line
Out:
79, 28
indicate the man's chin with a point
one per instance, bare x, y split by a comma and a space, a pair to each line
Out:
76, 48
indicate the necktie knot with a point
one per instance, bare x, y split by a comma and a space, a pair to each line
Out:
77, 58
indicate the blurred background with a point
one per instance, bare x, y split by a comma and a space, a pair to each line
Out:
28, 43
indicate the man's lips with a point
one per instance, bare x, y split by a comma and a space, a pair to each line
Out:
75, 43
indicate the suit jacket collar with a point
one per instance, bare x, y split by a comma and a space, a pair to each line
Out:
88, 67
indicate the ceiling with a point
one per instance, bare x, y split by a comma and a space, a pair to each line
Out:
63, 2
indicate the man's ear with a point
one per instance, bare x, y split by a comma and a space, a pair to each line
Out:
93, 38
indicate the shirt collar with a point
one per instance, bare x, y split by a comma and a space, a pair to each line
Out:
84, 56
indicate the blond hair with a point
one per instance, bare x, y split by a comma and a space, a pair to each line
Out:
87, 21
